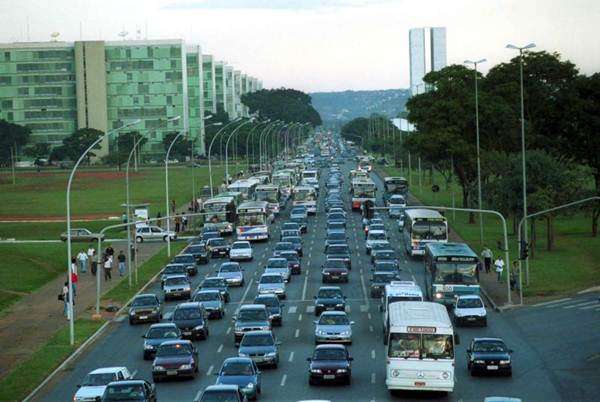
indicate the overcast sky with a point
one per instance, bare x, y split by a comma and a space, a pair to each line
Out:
322, 45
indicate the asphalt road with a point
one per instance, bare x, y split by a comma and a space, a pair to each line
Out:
551, 363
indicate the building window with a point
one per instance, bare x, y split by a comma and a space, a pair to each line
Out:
146, 99
129, 77
128, 53
6, 56
136, 100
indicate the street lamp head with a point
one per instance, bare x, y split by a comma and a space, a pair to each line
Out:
172, 119
529, 46
210, 116
216, 124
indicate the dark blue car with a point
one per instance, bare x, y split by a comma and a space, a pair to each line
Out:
241, 371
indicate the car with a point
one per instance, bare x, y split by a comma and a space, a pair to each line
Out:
383, 255
189, 261
218, 247
329, 298
469, 309
278, 266
241, 251
145, 307
291, 226
339, 251
190, 318
220, 392
296, 241
177, 287
336, 238
336, 211
175, 359
334, 270
336, 216
274, 307
395, 211
330, 363
302, 223
384, 245
144, 233
199, 252
400, 223
293, 260
299, 211
212, 301
334, 226
171, 270
95, 382
378, 281
209, 234
272, 283
216, 283
489, 355
288, 233
129, 390
333, 327
282, 246
244, 373
232, 272
250, 317
375, 226
375, 237
82, 235
261, 347
396, 200
156, 335
388, 266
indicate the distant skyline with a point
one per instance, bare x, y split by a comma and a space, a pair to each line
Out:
327, 45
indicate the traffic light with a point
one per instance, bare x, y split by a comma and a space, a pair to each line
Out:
524, 250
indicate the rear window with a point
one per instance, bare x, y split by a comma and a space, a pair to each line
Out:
337, 249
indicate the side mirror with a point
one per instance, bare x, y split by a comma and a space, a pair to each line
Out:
351, 322
308, 359
351, 359
510, 350
457, 339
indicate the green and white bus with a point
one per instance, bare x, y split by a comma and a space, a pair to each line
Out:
423, 226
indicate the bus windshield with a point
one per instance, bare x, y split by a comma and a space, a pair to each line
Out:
282, 181
252, 219
267, 195
420, 346
428, 230
304, 195
456, 273
215, 207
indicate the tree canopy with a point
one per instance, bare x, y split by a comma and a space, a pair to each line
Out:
288, 105
12, 136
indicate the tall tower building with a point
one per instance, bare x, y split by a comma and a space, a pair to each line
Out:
427, 52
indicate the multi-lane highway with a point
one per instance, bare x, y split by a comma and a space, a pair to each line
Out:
535, 377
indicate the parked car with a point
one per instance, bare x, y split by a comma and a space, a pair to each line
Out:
244, 373
489, 355
212, 301
82, 235
469, 309
145, 308
250, 317
145, 233
330, 363
129, 390
261, 347
95, 382
175, 359
156, 335
333, 327
240, 251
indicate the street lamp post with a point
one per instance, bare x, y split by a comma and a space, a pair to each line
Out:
192, 160
475, 64
248, 144
210, 149
69, 254
263, 134
233, 133
177, 137
524, 167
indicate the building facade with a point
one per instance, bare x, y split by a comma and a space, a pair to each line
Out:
427, 52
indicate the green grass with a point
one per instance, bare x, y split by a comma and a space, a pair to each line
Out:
27, 375
52, 230
571, 266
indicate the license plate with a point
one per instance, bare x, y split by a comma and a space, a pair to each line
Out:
143, 317
329, 377
258, 359
187, 332
419, 383
335, 277
171, 372
175, 294
492, 367
471, 318
330, 308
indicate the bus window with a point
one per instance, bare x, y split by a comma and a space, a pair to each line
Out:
404, 345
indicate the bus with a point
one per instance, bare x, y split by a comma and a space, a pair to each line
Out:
362, 190
220, 213
422, 226
420, 351
253, 220
269, 193
311, 176
244, 186
397, 291
237, 196
284, 180
450, 271
307, 196
395, 185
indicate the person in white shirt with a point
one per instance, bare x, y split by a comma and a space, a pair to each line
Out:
82, 258
91, 252
499, 264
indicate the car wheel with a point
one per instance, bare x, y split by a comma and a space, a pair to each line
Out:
509, 373
131, 322
139, 239
348, 380
155, 379
311, 382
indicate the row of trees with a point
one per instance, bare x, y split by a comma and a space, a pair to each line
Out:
561, 130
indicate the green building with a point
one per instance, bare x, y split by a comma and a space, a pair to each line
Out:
210, 93
220, 85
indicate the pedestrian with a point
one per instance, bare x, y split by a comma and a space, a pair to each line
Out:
196, 206
487, 259
177, 223
184, 222
82, 258
514, 276
64, 296
121, 258
74, 281
108, 268
95, 263
499, 264
158, 219
173, 206
91, 251
110, 251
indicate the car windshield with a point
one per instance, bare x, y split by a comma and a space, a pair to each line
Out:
336, 236
298, 219
252, 315
277, 263
196, 249
290, 256
384, 245
179, 280
95, 380
217, 242
330, 293
230, 268
334, 263
174, 269
271, 279
333, 319
184, 259
385, 255
173, 350
290, 226
162, 332
220, 396
377, 236
213, 283
144, 301
284, 246
386, 266
238, 246
293, 240
335, 225
420, 346
258, 340
469, 303
187, 314
124, 392
337, 249
489, 346
383, 277
329, 354
267, 301
463, 273
206, 296
237, 368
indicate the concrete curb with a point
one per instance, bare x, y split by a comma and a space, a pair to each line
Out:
88, 341
490, 300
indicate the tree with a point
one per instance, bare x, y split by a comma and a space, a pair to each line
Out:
288, 105
12, 137
75, 145
122, 148
38, 151
182, 149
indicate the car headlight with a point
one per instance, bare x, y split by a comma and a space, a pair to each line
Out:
339, 305
316, 371
271, 354
479, 362
158, 368
240, 354
249, 386
320, 305
321, 332
132, 312
199, 327
185, 367
458, 313
147, 346
345, 333
438, 295
265, 328
504, 361
395, 373
341, 370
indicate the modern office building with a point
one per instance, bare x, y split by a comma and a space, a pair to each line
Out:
427, 52
57, 87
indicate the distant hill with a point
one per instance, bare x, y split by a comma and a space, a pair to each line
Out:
337, 107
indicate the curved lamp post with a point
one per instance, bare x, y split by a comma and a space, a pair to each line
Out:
233, 133
210, 149
248, 143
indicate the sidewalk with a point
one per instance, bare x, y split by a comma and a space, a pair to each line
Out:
36, 317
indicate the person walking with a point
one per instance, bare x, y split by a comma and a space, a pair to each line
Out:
64, 296
121, 258
177, 223
108, 268
110, 251
173, 206
514, 276
82, 258
487, 258
91, 252
184, 223
74, 281
499, 265
158, 219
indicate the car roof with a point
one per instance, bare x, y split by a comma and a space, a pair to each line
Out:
176, 276
469, 297
275, 258
189, 305
208, 291
333, 313
252, 306
177, 342
259, 332
126, 382
242, 242
221, 387
376, 231
488, 340
105, 370
266, 296
330, 287
165, 324
184, 255
331, 346
237, 360
145, 295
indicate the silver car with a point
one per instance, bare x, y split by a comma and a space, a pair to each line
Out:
278, 266
375, 237
232, 272
334, 327
272, 283
212, 301
177, 287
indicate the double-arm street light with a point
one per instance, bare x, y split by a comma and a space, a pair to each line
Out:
177, 137
233, 133
475, 64
263, 134
524, 167
248, 143
232, 122
69, 254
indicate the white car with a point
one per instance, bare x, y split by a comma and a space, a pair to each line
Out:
375, 237
144, 233
94, 384
469, 309
240, 250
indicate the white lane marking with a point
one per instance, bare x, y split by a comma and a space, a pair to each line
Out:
310, 309
581, 304
292, 309
369, 316
371, 328
363, 308
300, 317
245, 294
297, 333
197, 397
372, 353
282, 383
414, 279
590, 307
210, 370
305, 286
134, 373
228, 330
348, 309
120, 318
291, 358
551, 302
372, 378
364, 288
220, 348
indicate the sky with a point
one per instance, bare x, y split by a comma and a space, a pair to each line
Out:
321, 45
